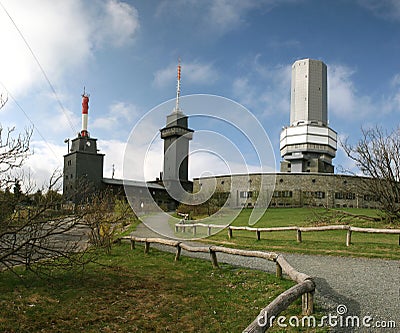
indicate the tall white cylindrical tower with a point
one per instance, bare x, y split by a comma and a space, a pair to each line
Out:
308, 144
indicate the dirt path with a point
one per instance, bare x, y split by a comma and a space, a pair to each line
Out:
366, 287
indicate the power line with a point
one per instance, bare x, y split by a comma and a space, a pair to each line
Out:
29, 119
41, 69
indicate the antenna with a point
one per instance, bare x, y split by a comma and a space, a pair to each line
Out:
178, 86
85, 109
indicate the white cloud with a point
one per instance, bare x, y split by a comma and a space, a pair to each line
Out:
219, 16
264, 89
46, 158
119, 113
114, 155
192, 73
387, 9
61, 34
345, 101
118, 23
226, 15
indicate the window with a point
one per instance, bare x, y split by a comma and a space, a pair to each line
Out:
316, 194
282, 194
246, 194
338, 195
371, 197
346, 196
287, 194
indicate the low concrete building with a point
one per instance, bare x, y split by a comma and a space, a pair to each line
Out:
292, 190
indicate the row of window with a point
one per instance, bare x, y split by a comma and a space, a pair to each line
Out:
345, 195
321, 195
282, 194
314, 194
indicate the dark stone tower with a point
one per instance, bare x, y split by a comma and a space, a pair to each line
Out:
83, 165
176, 135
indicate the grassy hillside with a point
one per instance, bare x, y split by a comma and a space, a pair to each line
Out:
129, 291
326, 242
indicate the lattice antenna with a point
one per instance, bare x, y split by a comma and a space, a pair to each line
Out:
178, 87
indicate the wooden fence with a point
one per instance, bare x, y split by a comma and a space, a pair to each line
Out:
305, 286
299, 230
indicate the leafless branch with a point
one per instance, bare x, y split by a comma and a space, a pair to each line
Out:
377, 155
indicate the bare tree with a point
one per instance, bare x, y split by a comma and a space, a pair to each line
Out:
377, 155
37, 233
3, 100
108, 215
34, 231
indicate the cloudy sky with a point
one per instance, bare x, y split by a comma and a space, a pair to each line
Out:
125, 54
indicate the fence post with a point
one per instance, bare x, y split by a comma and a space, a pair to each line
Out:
307, 301
229, 233
348, 237
278, 271
194, 230
258, 234
213, 256
176, 228
209, 231
299, 236
178, 252
146, 247
132, 244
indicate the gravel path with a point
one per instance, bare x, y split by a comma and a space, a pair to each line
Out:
367, 287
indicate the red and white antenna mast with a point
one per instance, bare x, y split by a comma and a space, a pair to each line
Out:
178, 87
85, 109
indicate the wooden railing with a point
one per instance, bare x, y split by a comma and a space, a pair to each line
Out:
299, 230
305, 286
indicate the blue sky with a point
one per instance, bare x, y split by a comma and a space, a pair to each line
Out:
125, 54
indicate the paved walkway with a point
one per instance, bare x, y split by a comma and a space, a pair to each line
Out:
367, 287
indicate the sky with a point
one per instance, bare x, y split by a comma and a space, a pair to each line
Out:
125, 54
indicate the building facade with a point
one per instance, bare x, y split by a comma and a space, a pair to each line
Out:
292, 190
83, 168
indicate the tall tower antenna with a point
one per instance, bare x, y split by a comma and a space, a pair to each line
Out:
85, 108
178, 87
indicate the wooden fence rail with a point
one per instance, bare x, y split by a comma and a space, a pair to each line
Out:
299, 230
305, 286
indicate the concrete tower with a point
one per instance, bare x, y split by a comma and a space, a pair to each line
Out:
176, 136
83, 165
308, 144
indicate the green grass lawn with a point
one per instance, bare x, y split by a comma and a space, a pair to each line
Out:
326, 242
129, 291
